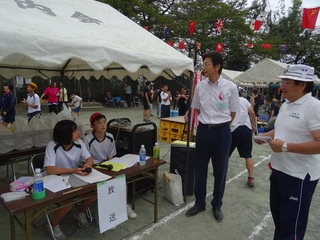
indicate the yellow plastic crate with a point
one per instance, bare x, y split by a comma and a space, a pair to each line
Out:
176, 128
164, 126
164, 136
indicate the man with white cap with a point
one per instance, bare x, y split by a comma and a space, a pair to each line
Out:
295, 159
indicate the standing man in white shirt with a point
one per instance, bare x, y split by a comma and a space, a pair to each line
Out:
166, 99
217, 101
295, 159
127, 93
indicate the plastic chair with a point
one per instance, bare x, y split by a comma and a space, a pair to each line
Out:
136, 101
37, 161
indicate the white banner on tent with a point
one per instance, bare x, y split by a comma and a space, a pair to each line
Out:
112, 203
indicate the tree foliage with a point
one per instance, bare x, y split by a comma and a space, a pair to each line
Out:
281, 29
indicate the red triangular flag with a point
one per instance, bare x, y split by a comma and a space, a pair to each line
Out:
219, 47
192, 27
250, 45
181, 45
146, 28
170, 43
266, 46
309, 17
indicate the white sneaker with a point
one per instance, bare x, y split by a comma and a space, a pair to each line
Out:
82, 219
58, 234
131, 213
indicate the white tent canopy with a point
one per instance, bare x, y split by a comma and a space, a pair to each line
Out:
230, 74
81, 38
262, 73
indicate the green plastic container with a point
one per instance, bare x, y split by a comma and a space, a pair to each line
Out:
38, 195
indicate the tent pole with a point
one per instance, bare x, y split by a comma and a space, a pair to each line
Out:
186, 180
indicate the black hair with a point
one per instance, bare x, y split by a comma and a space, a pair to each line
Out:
9, 84
97, 118
63, 132
216, 58
308, 88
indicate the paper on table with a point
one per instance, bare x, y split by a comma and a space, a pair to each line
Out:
128, 159
94, 176
56, 183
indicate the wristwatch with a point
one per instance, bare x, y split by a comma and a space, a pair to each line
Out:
284, 147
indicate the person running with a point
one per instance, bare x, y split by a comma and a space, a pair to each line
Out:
32, 101
77, 102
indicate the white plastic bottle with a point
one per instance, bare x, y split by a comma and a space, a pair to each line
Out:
38, 181
142, 154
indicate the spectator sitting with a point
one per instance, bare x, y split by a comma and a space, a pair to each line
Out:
109, 100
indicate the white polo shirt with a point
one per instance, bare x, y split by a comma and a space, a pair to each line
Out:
100, 151
57, 156
294, 125
33, 100
163, 96
76, 101
242, 116
216, 100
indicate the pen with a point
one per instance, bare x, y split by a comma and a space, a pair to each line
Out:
72, 190
63, 180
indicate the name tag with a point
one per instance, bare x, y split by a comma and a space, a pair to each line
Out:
221, 105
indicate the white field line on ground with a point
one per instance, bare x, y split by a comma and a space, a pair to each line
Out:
260, 227
172, 215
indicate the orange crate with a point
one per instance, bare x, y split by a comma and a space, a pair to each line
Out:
164, 126
176, 128
164, 136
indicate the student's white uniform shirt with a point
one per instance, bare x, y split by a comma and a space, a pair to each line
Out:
76, 101
57, 156
216, 100
163, 96
100, 151
33, 100
242, 116
294, 125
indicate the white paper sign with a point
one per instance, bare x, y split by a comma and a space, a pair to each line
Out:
112, 203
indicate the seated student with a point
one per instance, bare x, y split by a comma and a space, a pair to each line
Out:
63, 155
101, 145
110, 100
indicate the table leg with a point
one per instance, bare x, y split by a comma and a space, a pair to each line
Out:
155, 196
28, 224
13, 227
133, 203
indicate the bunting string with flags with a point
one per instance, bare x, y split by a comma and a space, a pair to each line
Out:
309, 17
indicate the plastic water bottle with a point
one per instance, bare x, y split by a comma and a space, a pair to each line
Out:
38, 181
156, 152
142, 154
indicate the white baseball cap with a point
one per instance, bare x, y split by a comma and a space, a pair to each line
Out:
299, 72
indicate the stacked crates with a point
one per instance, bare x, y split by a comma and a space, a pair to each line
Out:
171, 131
